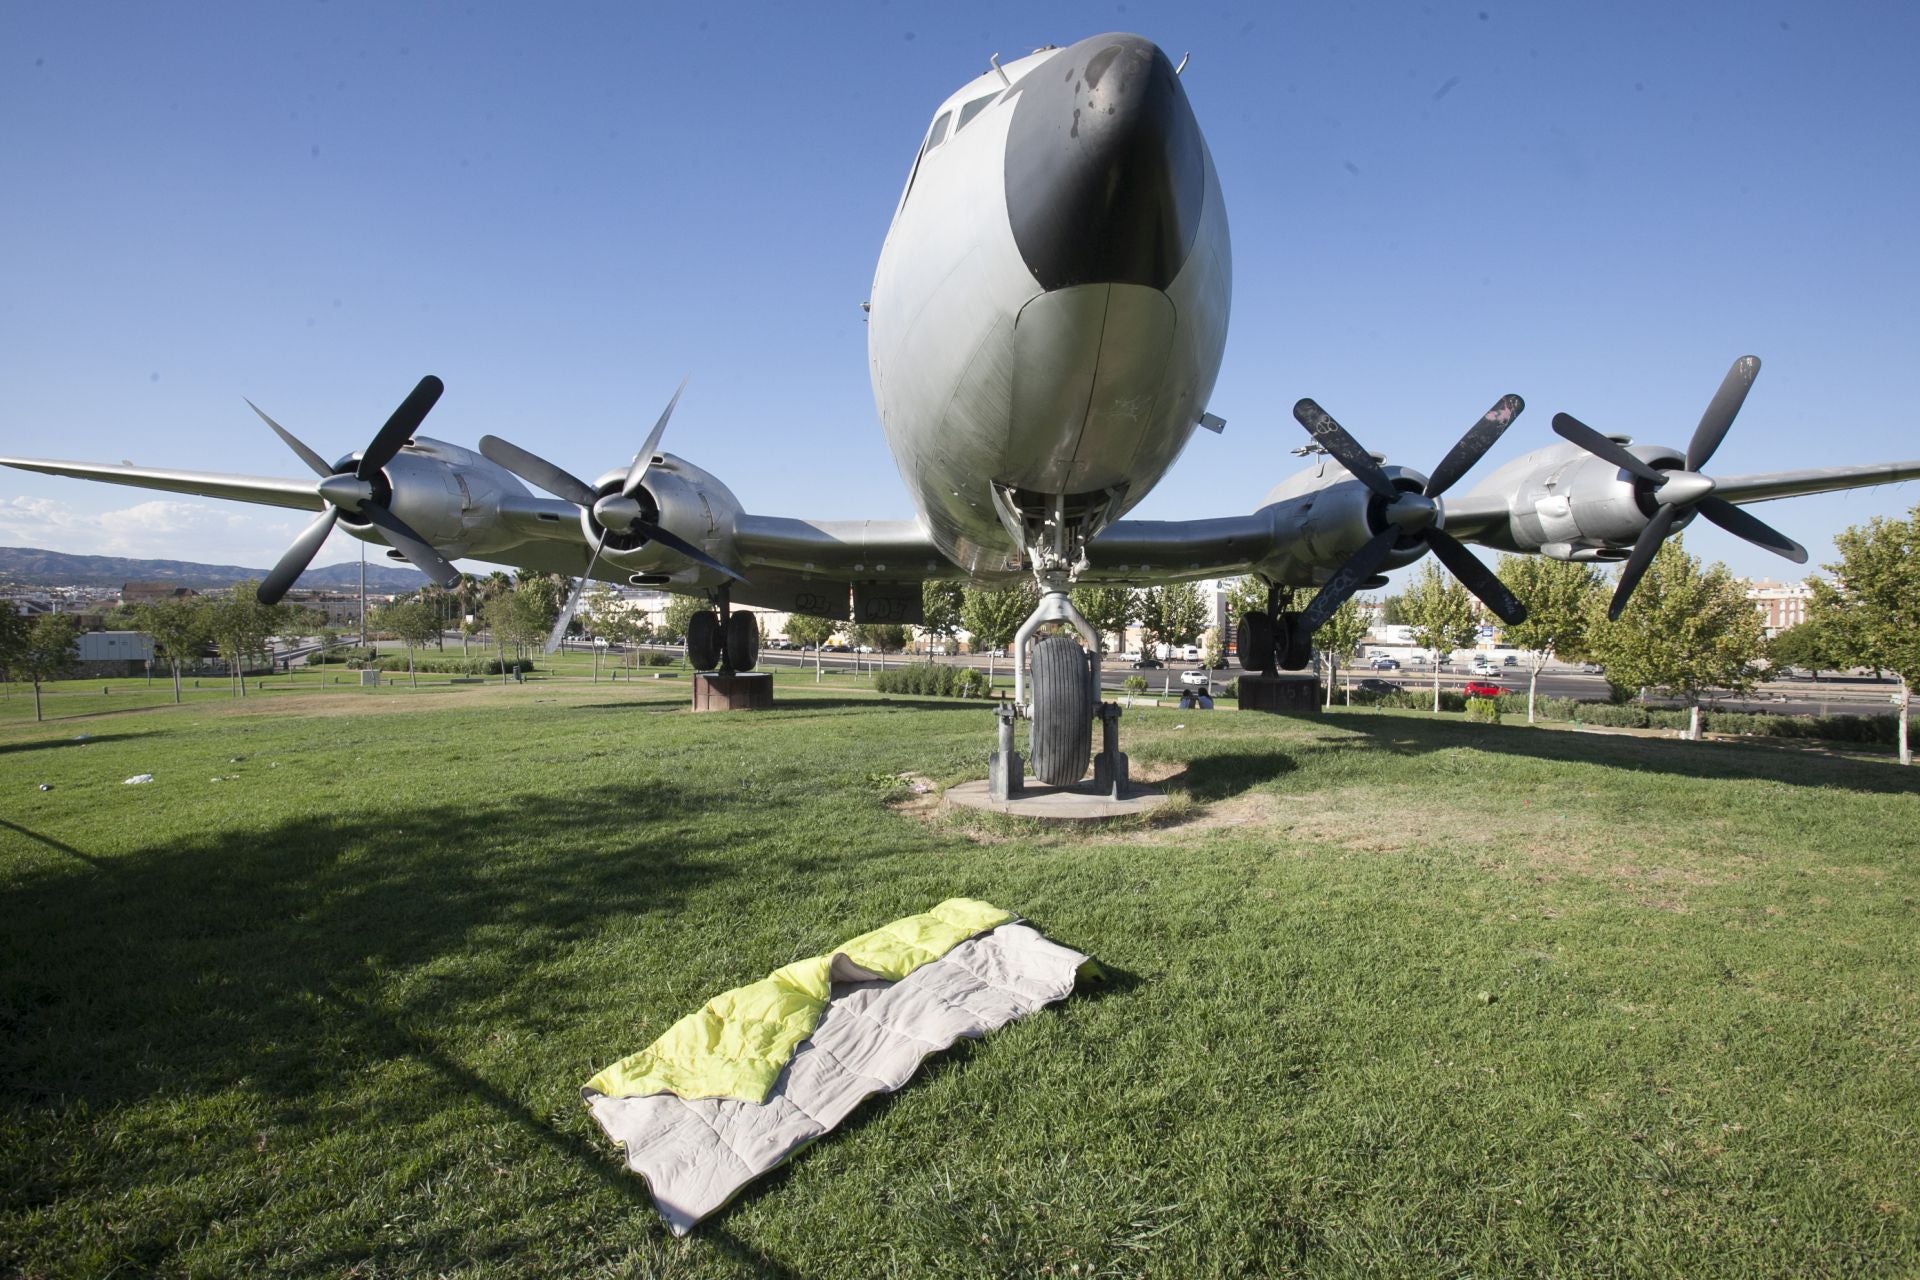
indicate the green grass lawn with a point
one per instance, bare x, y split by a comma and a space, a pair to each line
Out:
1391, 995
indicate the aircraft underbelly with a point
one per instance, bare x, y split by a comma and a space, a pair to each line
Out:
1090, 365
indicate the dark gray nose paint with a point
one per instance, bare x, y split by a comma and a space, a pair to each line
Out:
1105, 167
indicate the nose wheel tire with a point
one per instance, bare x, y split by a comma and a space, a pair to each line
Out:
743, 641
1062, 739
703, 640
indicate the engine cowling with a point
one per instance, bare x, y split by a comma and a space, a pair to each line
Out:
1564, 503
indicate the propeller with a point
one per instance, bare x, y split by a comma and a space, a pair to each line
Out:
1410, 517
357, 487
624, 510
1680, 493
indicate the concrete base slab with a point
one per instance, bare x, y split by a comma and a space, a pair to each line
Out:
1077, 803
732, 691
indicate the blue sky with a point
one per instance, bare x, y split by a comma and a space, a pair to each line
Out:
563, 209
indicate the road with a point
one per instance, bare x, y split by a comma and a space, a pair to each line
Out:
1557, 680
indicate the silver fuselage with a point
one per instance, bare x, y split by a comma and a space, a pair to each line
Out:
1050, 306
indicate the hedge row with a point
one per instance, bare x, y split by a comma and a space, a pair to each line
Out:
932, 679
454, 666
1877, 730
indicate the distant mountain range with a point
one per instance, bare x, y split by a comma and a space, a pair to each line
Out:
30, 566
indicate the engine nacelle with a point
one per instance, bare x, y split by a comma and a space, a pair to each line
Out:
448, 495
1322, 515
682, 499
1563, 502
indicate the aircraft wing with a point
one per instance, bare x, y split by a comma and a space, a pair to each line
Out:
267, 490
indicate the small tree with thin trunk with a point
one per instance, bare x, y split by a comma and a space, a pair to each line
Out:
1686, 631
940, 612
1872, 607
46, 650
993, 616
1340, 637
1560, 597
1173, 614
179, 630
1439, 612
415, 623
1109, 609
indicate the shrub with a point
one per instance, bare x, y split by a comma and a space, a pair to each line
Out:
655, 658
932, 681
1483, 710
1137, 684
454, 666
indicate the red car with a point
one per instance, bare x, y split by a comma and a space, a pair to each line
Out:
1481, 689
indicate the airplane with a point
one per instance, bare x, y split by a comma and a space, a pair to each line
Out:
1045, 326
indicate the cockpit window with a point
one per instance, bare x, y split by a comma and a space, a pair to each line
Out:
972, 109
939, 134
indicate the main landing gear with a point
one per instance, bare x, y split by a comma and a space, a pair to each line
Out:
1274, 640
723, 647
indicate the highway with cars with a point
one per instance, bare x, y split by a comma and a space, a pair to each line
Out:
1830, 696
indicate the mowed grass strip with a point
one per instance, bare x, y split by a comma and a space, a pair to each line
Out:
1389, 995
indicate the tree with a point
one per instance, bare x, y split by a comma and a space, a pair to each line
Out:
1559, 596
1393, 612
1173, 614
1440, 612
44, 650
1340, 636
940, 610
518, 619
1812, 644
1685, 632
994, 615
241, 628
179, 629
808, 631
416, 623
1109, 609
881, 637
1872, 607
14, 627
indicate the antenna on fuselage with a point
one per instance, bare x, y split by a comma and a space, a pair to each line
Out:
1183, 63
994, 62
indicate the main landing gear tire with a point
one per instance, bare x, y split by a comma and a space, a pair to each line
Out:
1062, 739
743, 641
1295, 643
1255, 640
703, 640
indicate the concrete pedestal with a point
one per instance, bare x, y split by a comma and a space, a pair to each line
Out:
732, 691
1286, 695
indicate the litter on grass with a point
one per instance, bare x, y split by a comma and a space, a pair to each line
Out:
735, 1089
137, 779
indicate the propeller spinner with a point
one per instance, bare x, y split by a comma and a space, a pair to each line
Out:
1679, 493
360, 490
621, 511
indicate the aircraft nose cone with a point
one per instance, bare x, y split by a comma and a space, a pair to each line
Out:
1105, 168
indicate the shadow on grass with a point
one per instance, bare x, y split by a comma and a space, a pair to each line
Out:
288, 961
1769, 762
1213, 776
45, 743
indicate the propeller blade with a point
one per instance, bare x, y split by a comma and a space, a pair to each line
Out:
1333, 437
1479, 438
298, 556
1643, 552
1721, 409
308, 456
1571, 428
1752, 528
537, 471
1346, 580
411, 545
1476, 577
561, 623
687, 549
400, 427
644, 459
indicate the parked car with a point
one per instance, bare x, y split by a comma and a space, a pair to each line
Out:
1377, 686
1482, 666
1591, 669
1384, 663
1482, 689
1200, 678
1148, 664
1510, 661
